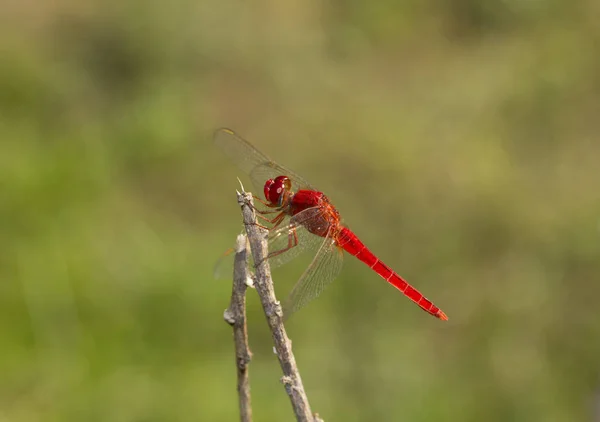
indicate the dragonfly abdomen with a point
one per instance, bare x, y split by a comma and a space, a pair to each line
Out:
352, 244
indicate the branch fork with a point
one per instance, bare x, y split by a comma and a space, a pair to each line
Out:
235, 316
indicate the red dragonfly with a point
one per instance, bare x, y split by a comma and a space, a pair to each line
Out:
305, 219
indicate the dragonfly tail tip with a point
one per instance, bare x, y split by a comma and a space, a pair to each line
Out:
441, 315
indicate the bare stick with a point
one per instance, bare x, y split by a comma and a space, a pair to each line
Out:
257, 236
235, 316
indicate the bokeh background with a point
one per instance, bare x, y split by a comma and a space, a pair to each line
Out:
458, 139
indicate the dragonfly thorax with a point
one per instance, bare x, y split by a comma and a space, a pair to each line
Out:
278, 190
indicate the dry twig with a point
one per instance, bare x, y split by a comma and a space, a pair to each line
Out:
235, 316
264, 286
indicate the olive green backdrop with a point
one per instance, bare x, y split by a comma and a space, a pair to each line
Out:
459, 140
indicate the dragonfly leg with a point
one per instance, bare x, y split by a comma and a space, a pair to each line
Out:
263, 212
260, 214
262, 217
292, 242
265, 203
275, 221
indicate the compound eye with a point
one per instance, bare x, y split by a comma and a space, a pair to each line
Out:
275, 189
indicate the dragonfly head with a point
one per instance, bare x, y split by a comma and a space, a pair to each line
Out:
277, 191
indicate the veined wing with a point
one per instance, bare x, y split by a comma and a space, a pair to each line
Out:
288, 242
257, 165
285, 243
324, 268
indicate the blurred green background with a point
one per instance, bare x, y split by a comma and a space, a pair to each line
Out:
458, 139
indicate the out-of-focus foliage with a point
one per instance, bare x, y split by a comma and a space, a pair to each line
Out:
459, 140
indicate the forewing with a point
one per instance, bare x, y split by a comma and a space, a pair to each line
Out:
223, 268
257, 165
324, 268
288, 242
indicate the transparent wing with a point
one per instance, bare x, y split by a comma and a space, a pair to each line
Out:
286, 242
323, 269
254, 163
223, 269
